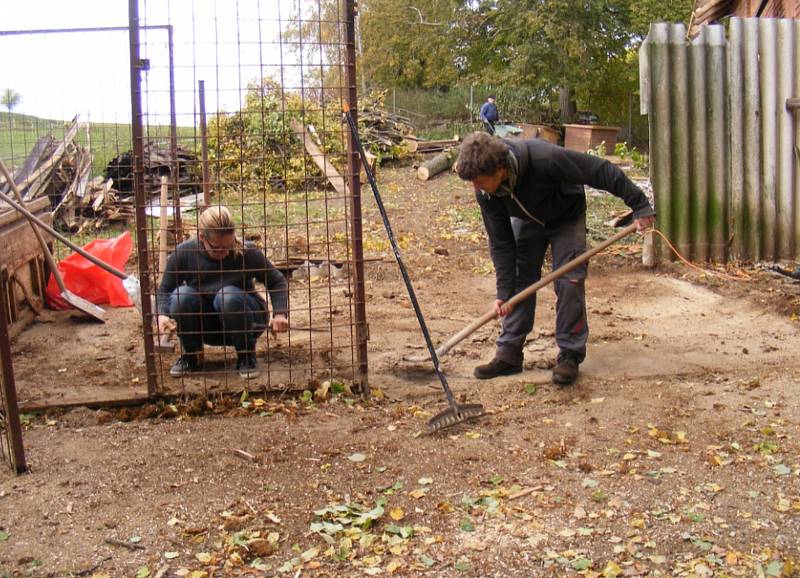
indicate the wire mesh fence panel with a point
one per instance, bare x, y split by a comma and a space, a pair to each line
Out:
245, 222
64, 123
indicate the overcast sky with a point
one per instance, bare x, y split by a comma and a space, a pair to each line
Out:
226, 43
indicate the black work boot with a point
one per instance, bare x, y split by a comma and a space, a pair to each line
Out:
247, 366
566, 370
186, 364
495, 368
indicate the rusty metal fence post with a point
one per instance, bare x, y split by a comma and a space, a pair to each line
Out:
137, 65
13, 427
362, 331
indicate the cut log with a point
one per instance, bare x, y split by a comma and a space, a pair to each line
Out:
437, 164
411, 144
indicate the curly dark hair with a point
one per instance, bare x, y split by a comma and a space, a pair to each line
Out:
481, 154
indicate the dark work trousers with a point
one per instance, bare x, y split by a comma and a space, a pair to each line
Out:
572, 330
489, 126
230, 317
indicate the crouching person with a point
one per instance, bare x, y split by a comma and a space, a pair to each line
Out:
208, 293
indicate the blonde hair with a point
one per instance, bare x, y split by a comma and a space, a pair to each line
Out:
217, 220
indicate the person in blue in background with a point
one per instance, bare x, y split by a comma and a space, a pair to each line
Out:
489, 114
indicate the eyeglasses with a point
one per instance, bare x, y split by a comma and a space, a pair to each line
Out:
211, 248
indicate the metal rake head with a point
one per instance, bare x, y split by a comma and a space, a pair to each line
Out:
455, 414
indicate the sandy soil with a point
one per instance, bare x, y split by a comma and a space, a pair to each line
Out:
674, 455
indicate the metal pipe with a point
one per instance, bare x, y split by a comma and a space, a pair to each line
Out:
658, 107
786, 69
14, 427
82, 29
354, 182
793, 104
173, 136
768, 70
201, 94
752, 139
679, 137
138, 187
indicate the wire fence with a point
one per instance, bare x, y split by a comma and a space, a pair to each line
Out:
193, 106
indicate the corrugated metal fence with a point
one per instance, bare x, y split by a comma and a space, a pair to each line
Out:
724, 137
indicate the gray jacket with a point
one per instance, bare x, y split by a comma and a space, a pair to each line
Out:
546, 183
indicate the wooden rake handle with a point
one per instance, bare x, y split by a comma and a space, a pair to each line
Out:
527, 292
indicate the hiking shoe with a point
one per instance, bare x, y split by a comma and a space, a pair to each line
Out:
495, 368
247, 366
566, 371
186, 364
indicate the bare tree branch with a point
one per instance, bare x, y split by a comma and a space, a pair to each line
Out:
422, 20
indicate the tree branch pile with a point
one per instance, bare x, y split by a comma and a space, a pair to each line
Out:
385, 134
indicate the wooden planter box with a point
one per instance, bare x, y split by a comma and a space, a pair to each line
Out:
541, 131
22, 270
582, 137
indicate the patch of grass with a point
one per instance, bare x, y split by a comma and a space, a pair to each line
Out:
19, 133
599, 208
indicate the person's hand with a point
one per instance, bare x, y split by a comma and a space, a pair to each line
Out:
279, 324
644, 223
502, 308
166, 324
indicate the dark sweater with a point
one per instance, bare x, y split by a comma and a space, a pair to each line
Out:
190, 265
549, 185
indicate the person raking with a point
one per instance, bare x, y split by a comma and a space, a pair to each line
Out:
531, 196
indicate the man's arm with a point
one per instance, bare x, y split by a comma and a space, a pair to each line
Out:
502, 246
584, 169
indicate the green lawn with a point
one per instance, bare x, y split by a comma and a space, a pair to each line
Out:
19, 133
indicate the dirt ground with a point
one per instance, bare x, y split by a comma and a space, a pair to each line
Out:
675, 454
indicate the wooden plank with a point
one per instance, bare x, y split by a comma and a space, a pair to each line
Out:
9, 215
18, 243
319, 158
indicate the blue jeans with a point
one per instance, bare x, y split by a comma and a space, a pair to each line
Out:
230, 317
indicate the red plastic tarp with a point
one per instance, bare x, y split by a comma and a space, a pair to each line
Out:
91, 282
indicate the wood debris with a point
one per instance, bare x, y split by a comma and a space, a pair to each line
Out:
60, 169
157, 163
386, 134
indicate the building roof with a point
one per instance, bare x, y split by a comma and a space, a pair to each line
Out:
710, 11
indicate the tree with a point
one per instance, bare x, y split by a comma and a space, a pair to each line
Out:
573, 51
10, 99
410, 43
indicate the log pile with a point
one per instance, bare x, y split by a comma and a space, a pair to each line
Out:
432, 146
